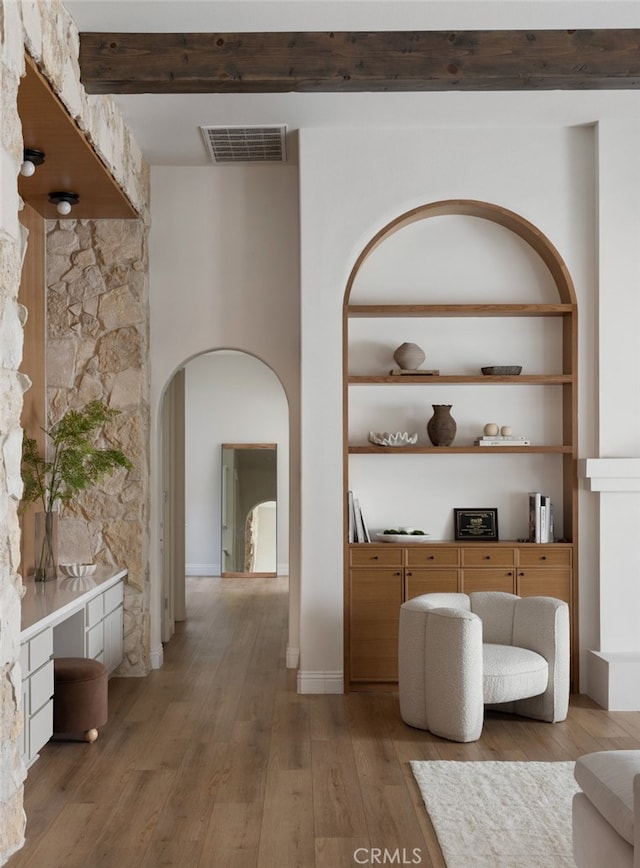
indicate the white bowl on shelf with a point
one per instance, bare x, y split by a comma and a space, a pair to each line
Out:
402, 537
77, 571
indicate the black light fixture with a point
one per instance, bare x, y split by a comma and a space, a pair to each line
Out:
32, 157
64, 201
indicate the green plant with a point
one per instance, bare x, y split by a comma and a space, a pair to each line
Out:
76, 462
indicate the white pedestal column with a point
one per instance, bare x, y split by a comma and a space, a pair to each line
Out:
613, 672
613, 668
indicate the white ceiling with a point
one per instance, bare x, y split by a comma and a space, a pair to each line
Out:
167, 127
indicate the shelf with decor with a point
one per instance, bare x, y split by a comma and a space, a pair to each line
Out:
378, 578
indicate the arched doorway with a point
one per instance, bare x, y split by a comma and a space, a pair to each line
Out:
222, 396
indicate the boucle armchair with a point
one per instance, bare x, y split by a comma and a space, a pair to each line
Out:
458, 653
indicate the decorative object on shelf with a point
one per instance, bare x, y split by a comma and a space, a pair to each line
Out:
77, 570
479, 524
501, 370
442, 427
404, 538
400, 438
409, 356
77, 463
491, 429
506, 431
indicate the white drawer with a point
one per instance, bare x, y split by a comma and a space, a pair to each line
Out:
40, 649
113, 597
40, 728
41, 686
95, 610
95, 641
24, 658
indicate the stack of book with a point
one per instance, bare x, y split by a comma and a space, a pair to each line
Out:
358, 530
503, 440
540, 518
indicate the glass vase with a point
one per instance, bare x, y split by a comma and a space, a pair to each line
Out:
46, 546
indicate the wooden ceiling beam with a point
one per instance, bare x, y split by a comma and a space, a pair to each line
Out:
339, 62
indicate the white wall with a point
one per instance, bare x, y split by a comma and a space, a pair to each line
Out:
230, 397
352, 184
224, 274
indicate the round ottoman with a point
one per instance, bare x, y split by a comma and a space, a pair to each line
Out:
80, 696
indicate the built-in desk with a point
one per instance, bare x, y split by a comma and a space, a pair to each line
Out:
65, 618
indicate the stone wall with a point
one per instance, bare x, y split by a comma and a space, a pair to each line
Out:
98, 348
46, 30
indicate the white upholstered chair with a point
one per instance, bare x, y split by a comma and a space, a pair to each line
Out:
458, 653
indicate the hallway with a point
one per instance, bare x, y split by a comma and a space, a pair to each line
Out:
214, 761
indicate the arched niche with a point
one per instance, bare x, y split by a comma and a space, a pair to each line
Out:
510, 220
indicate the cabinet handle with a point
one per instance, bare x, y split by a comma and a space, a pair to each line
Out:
510, 573
487, 557
374, 557
521, 574
431, 557
543, 557
399, 574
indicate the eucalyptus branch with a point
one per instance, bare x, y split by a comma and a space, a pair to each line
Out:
77, 462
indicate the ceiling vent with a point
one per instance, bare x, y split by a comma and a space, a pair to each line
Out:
246, 144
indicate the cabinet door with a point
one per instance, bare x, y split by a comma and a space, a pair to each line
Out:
534, 582
374, 597
489, 580
113, 639
418, 582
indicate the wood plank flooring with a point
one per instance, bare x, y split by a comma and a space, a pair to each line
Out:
214, 761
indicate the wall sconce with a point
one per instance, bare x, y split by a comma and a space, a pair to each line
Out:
64, 201
32, 157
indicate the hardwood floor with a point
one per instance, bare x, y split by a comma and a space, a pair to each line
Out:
214, 760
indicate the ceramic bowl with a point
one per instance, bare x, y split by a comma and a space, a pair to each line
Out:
400, 438
501, 370
77, 570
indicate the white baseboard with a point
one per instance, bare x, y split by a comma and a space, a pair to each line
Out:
321, 682
202, 569
293, 657
157, 657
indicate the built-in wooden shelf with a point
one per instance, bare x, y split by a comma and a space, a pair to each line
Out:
471, 379
426, 310
460, 450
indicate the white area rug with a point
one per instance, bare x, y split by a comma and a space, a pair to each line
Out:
500, 814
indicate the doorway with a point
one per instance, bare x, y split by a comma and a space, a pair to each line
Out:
229, 396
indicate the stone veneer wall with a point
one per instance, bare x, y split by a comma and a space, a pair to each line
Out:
45, 29
98, 348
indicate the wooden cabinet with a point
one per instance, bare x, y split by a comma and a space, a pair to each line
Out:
549, 331
382, 576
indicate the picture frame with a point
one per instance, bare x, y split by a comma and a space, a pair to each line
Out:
476, 524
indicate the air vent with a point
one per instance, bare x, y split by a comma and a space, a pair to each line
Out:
246, 144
